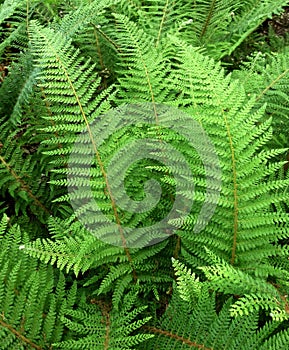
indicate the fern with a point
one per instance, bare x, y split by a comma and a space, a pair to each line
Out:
270, 89
245, 202
123, 143
100, 327
17, 89
32, 296
252, 291
12, 12
84, 252
191, 321
36, 306
16, 179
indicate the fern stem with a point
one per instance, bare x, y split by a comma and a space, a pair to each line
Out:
177, 248
105, 314
19, 335
273, 82
162, 22
107, 38
99, 53
98, 49
205, 27
177, 337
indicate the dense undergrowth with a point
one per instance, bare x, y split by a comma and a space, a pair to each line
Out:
99, 102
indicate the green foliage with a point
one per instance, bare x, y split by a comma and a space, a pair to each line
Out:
86, 254
191, 321
271, 88
99, 327
33, 296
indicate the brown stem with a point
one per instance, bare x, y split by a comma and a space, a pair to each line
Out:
177, 337
19, 335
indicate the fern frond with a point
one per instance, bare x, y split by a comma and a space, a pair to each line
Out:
18, 181
84, 252
8, 8
13, 13
192, 322
253, 292
18, 88
189, 287
267, 79
100, 327
247, 189
32, 296
76, 21
217, 26
252, 15
142, 69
